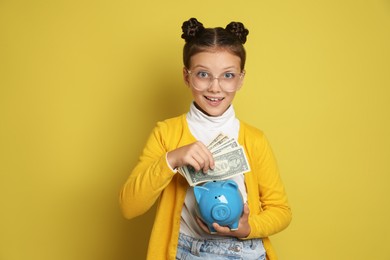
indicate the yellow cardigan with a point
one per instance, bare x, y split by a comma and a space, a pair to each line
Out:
152, 180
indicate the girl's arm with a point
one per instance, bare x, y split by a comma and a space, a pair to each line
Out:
271, 212
148, 179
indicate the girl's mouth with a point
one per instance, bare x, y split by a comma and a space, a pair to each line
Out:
214, 99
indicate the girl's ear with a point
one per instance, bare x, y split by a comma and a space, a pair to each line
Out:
186, 77
242, 79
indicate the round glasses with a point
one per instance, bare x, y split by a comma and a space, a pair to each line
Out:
201, 80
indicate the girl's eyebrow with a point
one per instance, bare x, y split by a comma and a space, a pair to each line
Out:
200, 66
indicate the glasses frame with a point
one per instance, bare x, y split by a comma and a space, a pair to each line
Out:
211, 80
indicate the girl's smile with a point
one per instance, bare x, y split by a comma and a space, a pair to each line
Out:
214, 100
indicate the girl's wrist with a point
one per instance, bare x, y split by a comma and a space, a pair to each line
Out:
173, 168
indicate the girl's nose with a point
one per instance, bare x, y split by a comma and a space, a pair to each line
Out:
214, 85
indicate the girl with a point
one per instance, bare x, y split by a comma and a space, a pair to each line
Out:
214, 60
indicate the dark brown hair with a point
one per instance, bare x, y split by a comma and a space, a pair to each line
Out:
199, 39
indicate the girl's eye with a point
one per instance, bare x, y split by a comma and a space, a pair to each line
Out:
228, 75
202, 74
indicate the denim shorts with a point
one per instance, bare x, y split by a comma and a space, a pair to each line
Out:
217, 249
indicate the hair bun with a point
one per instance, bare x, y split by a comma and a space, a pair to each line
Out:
238, 30
191, 28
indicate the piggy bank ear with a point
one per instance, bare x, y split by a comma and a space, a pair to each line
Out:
230, 184
198, 191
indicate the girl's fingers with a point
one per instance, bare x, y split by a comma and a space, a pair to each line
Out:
208, 157
196, 154
203, 157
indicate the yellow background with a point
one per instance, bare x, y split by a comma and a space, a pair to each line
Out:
83, 82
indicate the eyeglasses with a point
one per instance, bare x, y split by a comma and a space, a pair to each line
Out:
228, 81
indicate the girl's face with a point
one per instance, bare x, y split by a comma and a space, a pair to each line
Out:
209, 97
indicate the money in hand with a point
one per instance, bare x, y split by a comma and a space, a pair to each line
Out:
229, 157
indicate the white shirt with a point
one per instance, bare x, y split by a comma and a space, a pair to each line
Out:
205, 128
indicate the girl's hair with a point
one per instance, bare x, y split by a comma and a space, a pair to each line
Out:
199, 39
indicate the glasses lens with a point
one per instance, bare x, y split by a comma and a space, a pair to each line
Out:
228, 81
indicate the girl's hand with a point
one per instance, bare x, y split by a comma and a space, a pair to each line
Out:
243, 227
196, 154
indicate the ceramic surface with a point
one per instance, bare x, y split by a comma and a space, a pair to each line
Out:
220, 202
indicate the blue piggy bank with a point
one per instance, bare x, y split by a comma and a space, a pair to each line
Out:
220, 202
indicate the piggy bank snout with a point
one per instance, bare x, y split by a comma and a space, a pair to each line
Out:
220, 212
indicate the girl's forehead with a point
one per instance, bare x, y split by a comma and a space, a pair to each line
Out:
214, 58
216, 51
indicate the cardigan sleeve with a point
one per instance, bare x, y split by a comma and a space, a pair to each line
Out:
149, 177
271, 212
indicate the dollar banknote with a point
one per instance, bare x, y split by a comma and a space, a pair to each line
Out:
229, 158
